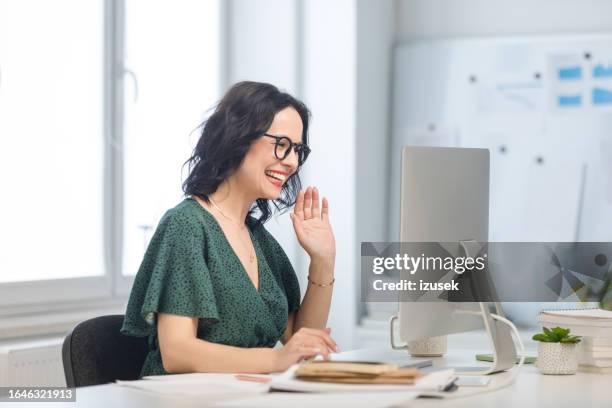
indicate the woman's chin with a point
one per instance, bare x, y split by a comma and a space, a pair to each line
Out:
271, 195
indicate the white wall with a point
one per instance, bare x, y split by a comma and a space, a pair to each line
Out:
262, 41
329, 40
375, 35
420, 19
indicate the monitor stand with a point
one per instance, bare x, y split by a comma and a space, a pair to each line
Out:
500, 337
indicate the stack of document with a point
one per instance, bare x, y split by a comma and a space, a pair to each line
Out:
239, 391
430, 384
595, 325
595, 354
356, 373
582, 322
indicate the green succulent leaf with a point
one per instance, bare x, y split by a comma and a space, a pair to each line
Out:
552, 336
571, 339
561, 333
556, 335
542, 337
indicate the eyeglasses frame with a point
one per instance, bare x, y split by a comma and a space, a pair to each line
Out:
292, 146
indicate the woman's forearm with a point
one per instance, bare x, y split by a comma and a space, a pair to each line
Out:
314, 310
200, 356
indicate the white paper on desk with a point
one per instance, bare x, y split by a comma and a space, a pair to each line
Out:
336, 399
211, 377
433, 382
199, 384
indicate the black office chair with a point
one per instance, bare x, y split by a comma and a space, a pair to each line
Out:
95, 352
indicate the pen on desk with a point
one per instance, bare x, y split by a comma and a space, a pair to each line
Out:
262, 380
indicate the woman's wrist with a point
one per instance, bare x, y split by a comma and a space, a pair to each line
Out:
275, 360
321, 271
323, 262
321, 284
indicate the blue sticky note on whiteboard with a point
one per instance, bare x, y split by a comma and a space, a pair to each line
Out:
602, 96
569, 100
570, 73
600, 71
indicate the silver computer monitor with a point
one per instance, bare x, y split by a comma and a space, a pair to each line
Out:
444, 197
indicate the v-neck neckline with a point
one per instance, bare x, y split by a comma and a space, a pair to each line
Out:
237, 258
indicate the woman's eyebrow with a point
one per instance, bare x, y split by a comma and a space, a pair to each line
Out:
283, 135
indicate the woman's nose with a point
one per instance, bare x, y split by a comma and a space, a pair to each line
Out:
291, 160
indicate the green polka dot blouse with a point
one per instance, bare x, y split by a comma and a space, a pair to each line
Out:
190, 269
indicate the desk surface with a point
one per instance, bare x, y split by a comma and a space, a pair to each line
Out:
530, 389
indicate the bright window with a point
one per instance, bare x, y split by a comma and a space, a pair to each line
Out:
95, 95
171, 54
51, 152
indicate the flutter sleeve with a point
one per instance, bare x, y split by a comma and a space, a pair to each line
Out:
173, 277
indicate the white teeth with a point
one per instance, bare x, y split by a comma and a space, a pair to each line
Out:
277, 176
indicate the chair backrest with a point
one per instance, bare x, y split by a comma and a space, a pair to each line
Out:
95, 352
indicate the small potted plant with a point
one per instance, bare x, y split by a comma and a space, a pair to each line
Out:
557, 351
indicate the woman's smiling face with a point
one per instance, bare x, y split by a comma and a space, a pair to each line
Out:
263, 175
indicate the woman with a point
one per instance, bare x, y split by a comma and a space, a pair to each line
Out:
215, 291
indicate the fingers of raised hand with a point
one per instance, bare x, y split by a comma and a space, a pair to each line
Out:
308, 204
297, 224
325, 210
316, 210
299, 205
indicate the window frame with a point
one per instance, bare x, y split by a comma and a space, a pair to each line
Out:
69, 297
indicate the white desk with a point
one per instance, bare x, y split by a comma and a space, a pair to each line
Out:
531, 389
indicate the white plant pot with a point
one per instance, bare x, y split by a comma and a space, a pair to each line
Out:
557, 358
431, 347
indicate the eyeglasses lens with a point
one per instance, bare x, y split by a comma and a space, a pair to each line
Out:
283, 147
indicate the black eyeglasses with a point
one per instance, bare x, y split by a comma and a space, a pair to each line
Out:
283, 145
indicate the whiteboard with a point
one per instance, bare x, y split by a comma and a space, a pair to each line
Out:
543, 106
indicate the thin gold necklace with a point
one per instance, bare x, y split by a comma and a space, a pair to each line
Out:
251, 254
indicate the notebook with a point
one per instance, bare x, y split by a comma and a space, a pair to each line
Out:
432, 383
597, 343
595, 370
599, 317
356, 373
597, 353
582, 322
595, 362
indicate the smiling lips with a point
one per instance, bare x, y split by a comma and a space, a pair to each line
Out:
276, 177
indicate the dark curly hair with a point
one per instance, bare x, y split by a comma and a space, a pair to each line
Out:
242, 116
